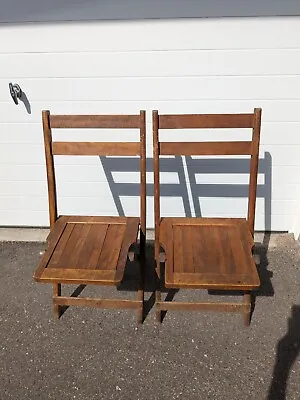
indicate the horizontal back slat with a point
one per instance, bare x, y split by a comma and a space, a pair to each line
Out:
205, 148
96, 148
95, 121
207, 121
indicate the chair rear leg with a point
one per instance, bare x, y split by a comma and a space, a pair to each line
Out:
158, 293
56, 293
247, 312
141, 279
140, 294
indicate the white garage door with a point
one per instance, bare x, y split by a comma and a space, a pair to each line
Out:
176, 66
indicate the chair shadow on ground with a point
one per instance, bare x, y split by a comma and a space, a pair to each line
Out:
288, 349
189, 191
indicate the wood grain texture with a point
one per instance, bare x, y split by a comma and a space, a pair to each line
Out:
81, 276
207, 255
254, 169
88, 245
156, 182
184, 306
61, 245
56, 234
96, 148
131, 231
143, 181
93, 247
99, 303
207, 121
112, 246
205, 148
52, 200
95, 121
90, 249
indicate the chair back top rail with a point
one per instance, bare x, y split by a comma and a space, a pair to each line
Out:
205, 121
95, 121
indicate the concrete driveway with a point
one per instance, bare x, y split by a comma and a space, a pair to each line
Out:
98, 354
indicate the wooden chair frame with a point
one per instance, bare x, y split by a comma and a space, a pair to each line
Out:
251, 148
93, 148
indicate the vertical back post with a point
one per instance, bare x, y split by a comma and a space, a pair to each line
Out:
156, 182
143, 177
50, 168
254, 168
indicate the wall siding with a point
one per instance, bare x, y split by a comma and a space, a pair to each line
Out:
200, 65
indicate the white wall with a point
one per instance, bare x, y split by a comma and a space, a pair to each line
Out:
196, 65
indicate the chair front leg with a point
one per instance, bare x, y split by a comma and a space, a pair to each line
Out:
247, 312
56, 293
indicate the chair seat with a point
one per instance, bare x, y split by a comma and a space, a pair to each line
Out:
208, 253
88, 250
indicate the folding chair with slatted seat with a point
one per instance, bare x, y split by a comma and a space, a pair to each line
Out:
93, 249
206, 253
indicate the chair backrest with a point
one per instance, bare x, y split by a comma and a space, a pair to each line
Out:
53, 148
208, 121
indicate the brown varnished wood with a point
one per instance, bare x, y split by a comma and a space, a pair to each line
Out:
198, 251
111, 247
202, 221
183, 306
179, 260
227, 250
156, 210
142, 248
50, 168
90, 246
254, 168
213, 281
92, 249
247, 313
75, 276
56, 233
80, 245
99, 303
143, 180
56, 293
156, 181
80, 219
215, 263
93, 246
95, 121
207, 121
221, 237
205, 148
61, 245
187, 248
96, 148
131, 231
70, 251
207, 253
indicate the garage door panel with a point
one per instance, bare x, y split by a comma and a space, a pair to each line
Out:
175, 66
274, 110
227, 33
152, 63
181, 88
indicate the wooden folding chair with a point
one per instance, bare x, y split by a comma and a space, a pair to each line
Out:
92, 250
207, 253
